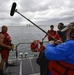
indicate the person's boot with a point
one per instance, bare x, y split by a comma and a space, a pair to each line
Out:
9, 65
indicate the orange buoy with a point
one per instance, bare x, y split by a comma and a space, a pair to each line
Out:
37, 46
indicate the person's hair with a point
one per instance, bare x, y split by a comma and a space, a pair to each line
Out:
52, 26
61, 24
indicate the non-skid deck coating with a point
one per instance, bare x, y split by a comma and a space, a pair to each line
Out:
27, 66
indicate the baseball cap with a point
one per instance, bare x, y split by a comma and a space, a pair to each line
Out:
71, 25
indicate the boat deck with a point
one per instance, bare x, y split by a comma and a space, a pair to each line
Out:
26, 66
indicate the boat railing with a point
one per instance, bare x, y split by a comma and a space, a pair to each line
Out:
26, 50
22, 51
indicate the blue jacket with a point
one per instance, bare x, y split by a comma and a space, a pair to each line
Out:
64, 52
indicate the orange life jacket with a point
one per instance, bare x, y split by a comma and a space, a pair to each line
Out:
52, 33
7, 39
60, 68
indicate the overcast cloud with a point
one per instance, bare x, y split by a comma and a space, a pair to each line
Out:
41, 12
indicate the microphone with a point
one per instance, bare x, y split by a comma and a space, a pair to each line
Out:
13, 9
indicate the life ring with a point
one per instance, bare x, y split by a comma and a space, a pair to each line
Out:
37, 46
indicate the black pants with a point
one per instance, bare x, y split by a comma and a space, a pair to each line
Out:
43, 62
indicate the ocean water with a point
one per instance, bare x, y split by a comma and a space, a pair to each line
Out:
25, 34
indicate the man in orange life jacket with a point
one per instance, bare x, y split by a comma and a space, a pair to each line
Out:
62, 56
5, 47
53, 33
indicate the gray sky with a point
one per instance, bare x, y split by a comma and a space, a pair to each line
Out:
41, 12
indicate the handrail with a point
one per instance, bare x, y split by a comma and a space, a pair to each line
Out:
17, 49
23, 43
